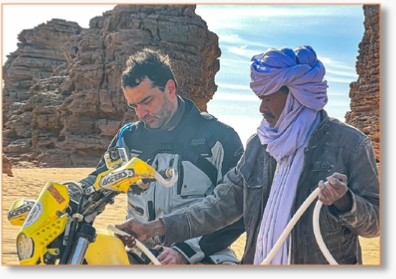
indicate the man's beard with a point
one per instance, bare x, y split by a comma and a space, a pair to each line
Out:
162, 117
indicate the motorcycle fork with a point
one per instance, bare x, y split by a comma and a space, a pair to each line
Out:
84, 237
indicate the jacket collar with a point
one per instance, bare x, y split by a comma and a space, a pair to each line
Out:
321, 130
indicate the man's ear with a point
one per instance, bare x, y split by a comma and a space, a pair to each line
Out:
170, 87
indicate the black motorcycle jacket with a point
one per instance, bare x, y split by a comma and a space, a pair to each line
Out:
202, 149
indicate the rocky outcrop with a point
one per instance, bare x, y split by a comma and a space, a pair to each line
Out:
365, 92
62, 95
7, 166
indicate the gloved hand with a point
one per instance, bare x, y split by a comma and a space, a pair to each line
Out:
140, 186
170, 256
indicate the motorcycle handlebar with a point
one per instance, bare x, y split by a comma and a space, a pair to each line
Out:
136, 171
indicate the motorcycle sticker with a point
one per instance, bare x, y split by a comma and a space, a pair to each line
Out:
112, 178
34, 214
55, 193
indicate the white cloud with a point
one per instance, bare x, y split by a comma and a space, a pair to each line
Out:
239, 17
241, 51
232, 38
217, 12
327, 61
331, 78
338, 71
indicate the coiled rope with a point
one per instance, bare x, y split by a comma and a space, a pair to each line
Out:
316, 228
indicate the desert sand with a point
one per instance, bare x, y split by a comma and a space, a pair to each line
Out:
28, 181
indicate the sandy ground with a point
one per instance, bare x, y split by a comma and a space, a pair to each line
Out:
27, 182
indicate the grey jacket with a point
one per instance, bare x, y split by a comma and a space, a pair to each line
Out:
334, 147
199, 140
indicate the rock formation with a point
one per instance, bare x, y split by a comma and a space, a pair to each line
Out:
7, 166
62, 99
365, 92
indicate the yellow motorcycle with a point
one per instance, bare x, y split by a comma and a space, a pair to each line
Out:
57, 227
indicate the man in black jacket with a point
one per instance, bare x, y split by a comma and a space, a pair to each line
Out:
173, 133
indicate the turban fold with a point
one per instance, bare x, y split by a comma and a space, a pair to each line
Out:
298, 69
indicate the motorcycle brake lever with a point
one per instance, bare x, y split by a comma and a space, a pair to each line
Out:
117, 231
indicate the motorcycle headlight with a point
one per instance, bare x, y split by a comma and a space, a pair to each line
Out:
25, 246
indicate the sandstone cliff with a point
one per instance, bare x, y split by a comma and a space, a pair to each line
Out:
62, 98
365, 92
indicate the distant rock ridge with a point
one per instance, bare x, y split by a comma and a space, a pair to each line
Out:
365, 92
62, 100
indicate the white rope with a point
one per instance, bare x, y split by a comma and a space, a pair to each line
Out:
291, 224
148, 253
281, 239
140, 245
318, 235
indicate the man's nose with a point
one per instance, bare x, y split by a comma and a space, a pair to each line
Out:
141, 111
263, 106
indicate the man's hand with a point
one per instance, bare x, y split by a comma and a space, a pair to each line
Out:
333, 192
135, 229
170, 256
141, 231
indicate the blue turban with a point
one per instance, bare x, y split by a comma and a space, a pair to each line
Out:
300, 70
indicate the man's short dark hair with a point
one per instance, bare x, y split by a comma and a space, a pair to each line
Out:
149, 64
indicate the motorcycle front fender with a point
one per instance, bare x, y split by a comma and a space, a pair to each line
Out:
106, 250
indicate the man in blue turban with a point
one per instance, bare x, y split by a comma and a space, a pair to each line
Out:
296, 149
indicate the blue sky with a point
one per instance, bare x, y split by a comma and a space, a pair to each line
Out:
244, 30
334, 31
